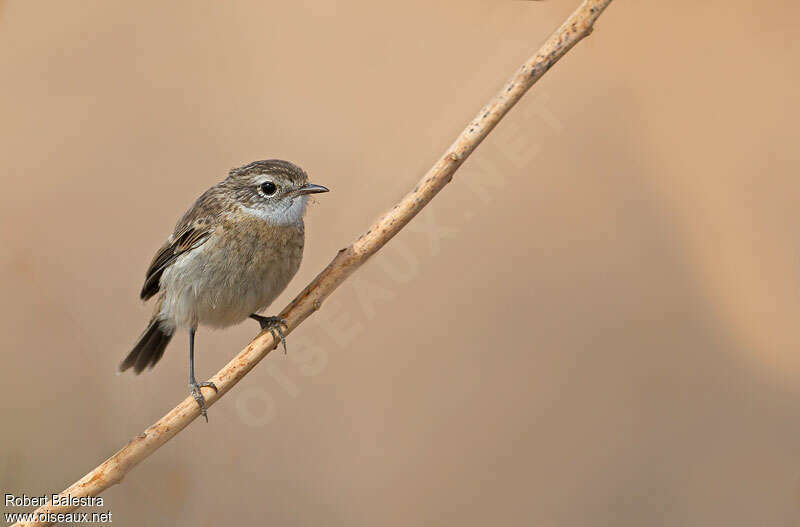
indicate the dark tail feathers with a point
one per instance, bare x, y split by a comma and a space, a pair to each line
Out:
148, 349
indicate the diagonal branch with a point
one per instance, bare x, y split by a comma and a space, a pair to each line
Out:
575, 28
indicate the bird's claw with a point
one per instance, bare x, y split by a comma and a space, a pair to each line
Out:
194, 389
274, 326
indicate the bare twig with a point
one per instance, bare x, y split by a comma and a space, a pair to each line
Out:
576, 27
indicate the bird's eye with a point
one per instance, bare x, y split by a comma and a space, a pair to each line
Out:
268, 188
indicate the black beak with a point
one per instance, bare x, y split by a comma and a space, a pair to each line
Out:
310, 188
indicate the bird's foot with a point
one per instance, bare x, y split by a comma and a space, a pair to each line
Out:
194, 389
275, 326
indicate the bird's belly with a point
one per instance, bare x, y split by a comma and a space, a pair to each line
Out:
218, 285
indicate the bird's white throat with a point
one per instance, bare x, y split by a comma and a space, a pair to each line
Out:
279, 213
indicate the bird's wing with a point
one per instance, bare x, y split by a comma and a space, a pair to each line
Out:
188, 235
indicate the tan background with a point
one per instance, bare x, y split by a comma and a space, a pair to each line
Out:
595, 324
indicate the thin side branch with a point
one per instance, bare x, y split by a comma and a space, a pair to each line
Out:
575, 28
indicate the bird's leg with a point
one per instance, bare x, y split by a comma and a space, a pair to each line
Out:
194, 386
273, 324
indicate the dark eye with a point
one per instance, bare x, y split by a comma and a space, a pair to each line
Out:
268, 188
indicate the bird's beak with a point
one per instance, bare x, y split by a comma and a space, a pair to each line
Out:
310, 188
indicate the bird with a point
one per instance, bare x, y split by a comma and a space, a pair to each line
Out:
230, 255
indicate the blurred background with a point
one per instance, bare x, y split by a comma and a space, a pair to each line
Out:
596, 323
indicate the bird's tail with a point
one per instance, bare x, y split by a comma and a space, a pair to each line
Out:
149, 348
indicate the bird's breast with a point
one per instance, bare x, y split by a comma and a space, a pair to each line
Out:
242, 268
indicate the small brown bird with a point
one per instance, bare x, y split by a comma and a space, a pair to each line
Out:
231, 254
